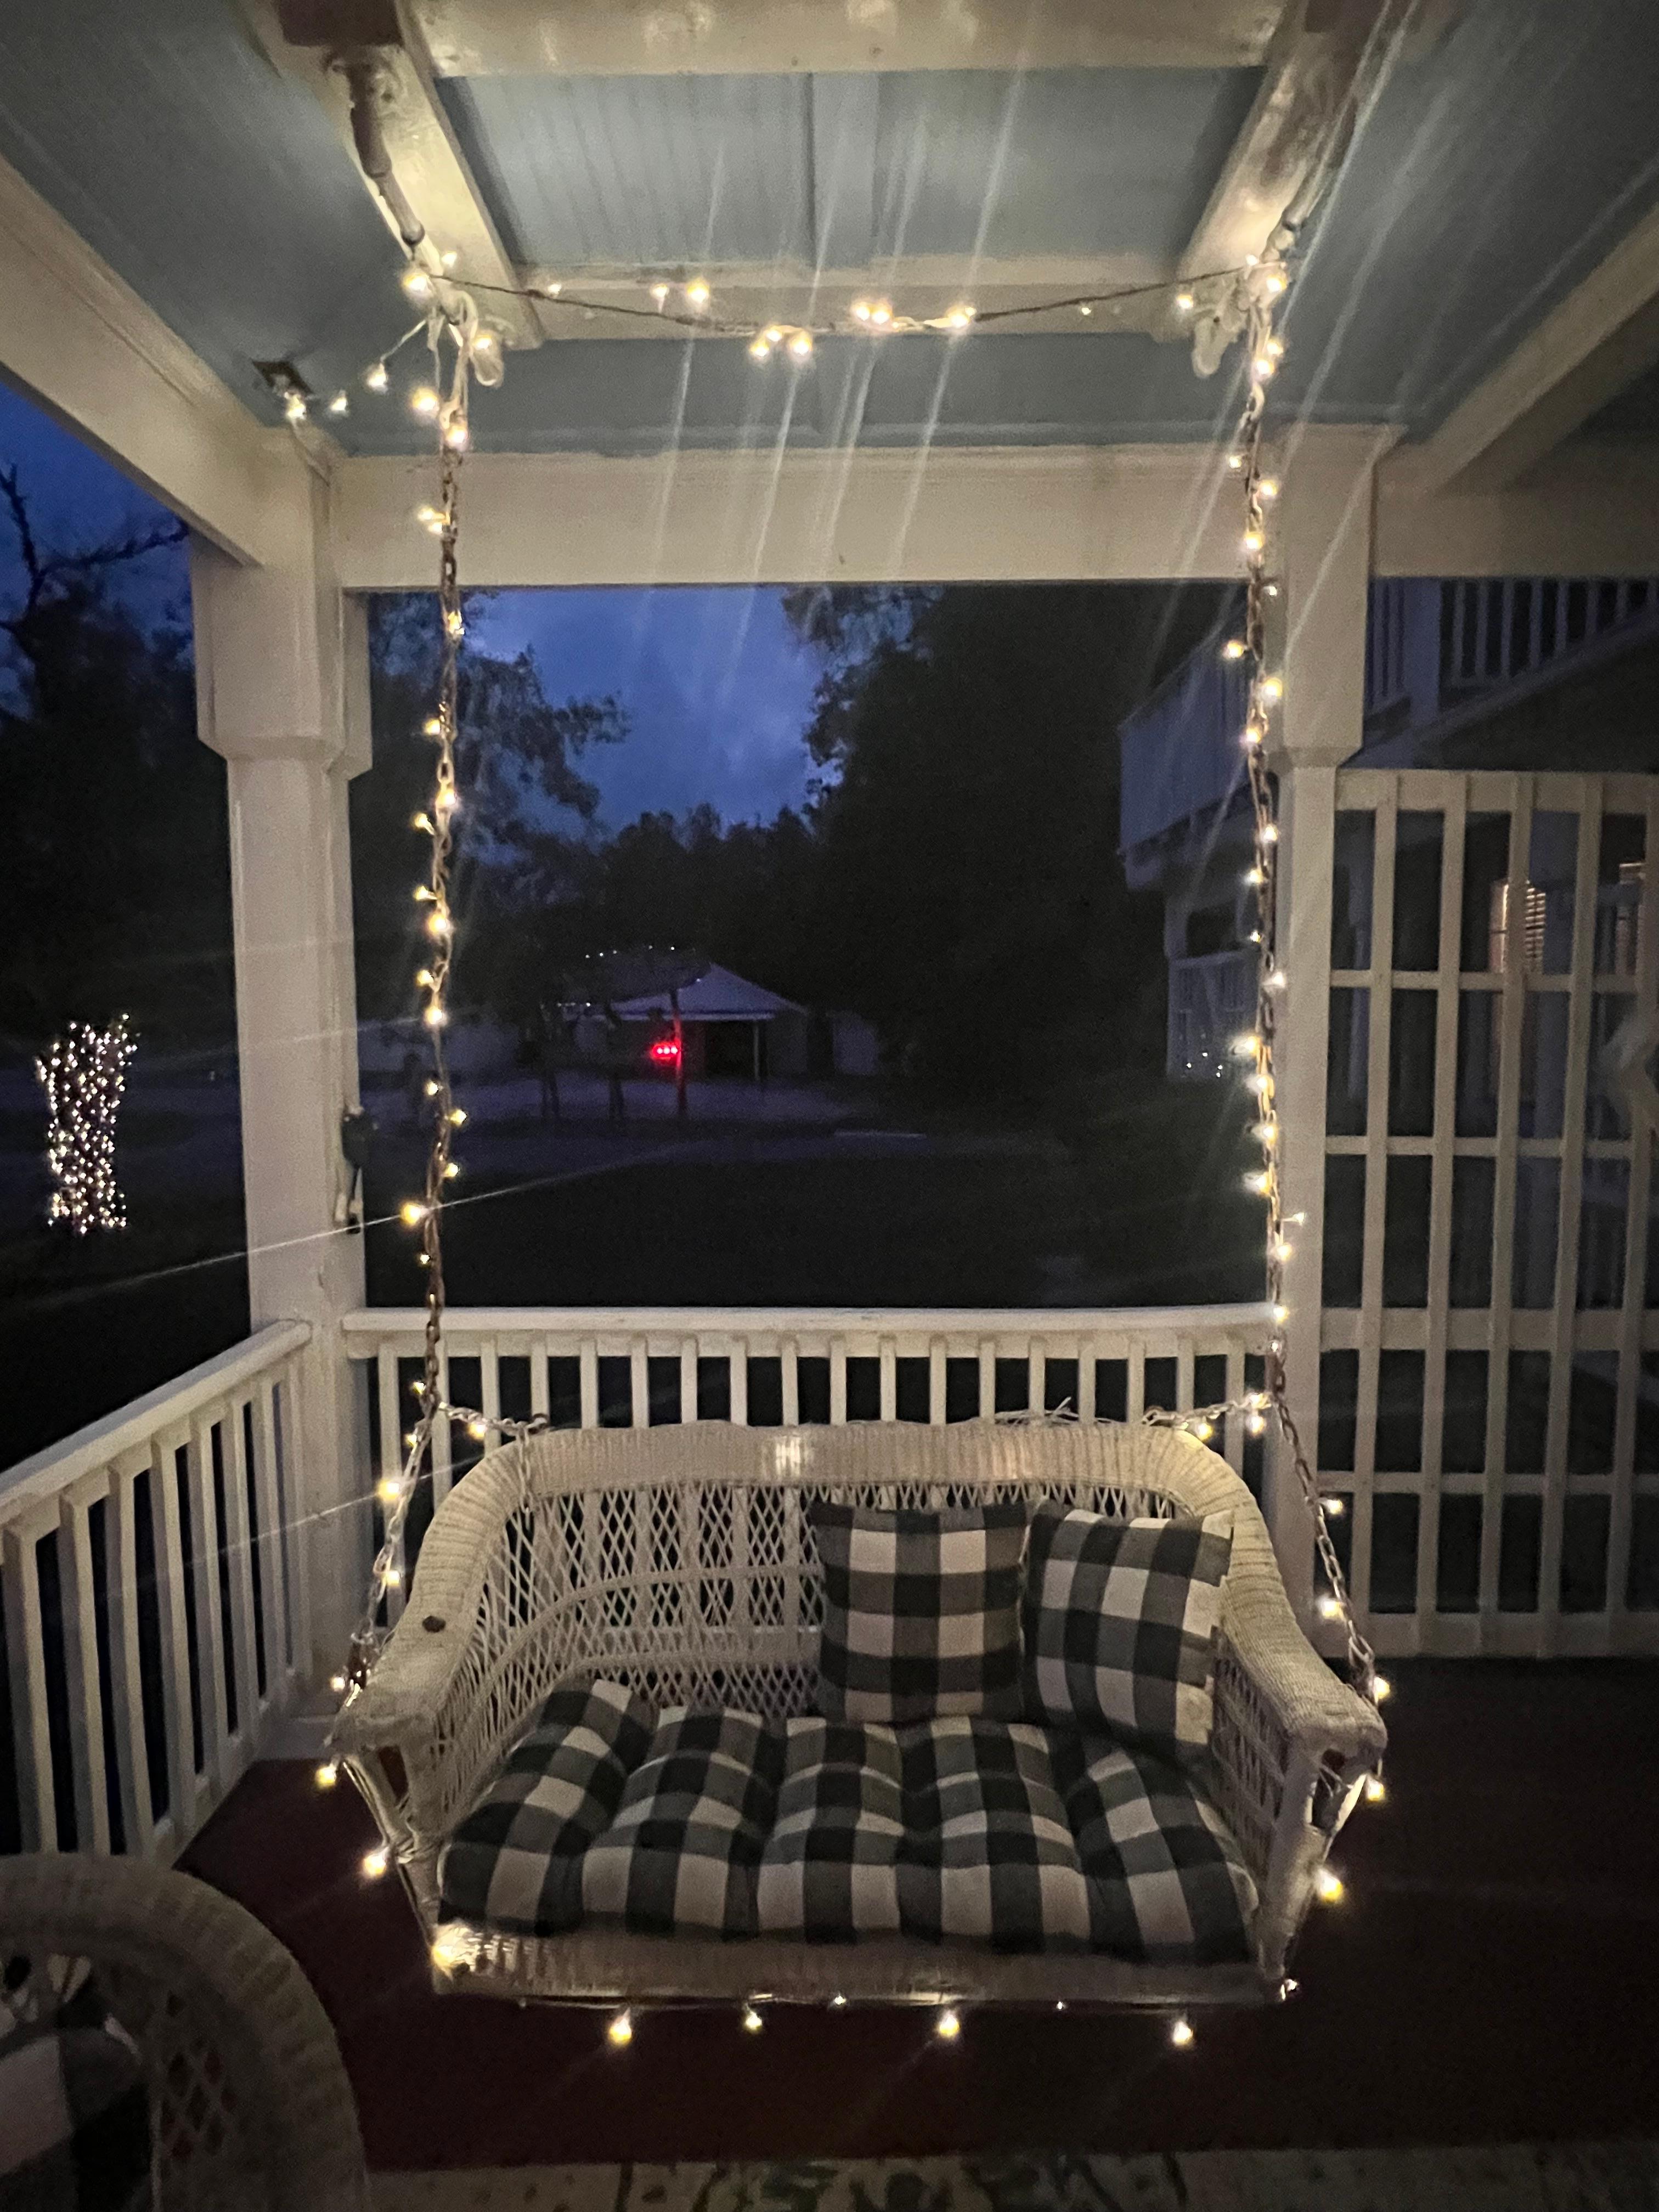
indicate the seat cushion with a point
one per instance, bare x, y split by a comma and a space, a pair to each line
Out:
1166, 1882
1119, 1620
829, 1870
515, 1861
683, 1852
988, 1856
920, 1612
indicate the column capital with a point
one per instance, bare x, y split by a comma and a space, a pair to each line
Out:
282, 655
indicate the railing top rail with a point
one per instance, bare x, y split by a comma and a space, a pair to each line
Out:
376, 1324
130, 1426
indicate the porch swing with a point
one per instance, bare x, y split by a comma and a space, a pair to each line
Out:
586, 1602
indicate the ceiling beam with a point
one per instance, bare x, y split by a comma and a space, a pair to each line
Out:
1308, 71
81, 343
607, 303
1596, 341
749, 38
426, 156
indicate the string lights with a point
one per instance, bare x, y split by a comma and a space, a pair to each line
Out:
84, 1077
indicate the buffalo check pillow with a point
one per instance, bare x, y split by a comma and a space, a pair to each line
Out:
920, 1612
1120, 1622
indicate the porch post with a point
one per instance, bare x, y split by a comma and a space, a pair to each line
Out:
281, 693
1322, 570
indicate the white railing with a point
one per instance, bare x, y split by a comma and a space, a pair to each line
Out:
154, 1603
583, 1368
1212, 998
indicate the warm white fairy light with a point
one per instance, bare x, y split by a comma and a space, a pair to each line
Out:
619, 2030
1329, 1885
375, 1862
947, 2024
1181, 2033
327, 1774
753, 2023
84, 1076
378, 378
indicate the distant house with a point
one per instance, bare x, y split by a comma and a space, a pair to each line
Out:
730, 1026
1518, 672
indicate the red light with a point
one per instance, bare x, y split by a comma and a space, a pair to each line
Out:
665, 1052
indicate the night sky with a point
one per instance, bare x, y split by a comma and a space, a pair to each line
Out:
716, 690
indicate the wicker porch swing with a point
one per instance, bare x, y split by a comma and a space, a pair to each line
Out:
679, 1567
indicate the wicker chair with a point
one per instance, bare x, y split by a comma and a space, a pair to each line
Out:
679, 1560
250, 2103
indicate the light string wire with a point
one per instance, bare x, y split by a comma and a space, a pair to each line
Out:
1217, 296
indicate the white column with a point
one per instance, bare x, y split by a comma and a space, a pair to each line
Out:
282, 685
1322, 568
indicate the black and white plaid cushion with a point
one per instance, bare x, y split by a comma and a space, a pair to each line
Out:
1120, 1622
830, 1871
74, 2126
920, 1612
684, 1849
516, 1860
988, 1856
1167, 1884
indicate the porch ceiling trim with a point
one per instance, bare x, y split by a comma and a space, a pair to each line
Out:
954, 515
80, 341
946, 514
1601, 336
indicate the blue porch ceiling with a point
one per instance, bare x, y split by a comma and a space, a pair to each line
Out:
839, 172
1493, 173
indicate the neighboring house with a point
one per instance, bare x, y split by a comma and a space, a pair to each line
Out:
730, 1026
1521, 672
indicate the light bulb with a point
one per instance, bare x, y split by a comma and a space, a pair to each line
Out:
336, 1683
294, 406
340, 405
328, 1774
453, 1947
1281, 1314
1264, 365
553, 286
1274, 285
1234, 460
947, 2027
389, 1490
1382, 1687
435, 1018
837, 2001
1084, 307
484, 343
1233, 649
457, 437
413, 1212
1328, 1885
759, 350
451, 1172
619, 2030
1247, 1044
1269, 833
1267, 488
423, 979
1336, 1507
375, 1862
697, 293
457, 1115
881, 314
800, 345
1261, 1183
416, 283
432, 728
391, 1578
1181, 2033
1184, 303
773, 334
752, 2021
1376, 1790
862, 311
958, 319
659, 293
1274, 349
377, 378
1329, 1608
439, 925
477, 1431
423, 402
1272, 687
1253, 541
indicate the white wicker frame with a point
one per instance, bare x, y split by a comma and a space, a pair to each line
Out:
250, 2105
679, 1558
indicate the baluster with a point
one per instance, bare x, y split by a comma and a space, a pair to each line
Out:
988, 1379
736, 1368
171, 1606
273, 1547
688, 1381
887, 1352
588, 1357
238, 1544
86, 1706
25, 1658
127, 1653
288, 1462
938, 1372
210, 1622
838, 1381
789, 1353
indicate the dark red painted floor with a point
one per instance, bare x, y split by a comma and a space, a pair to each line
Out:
1493, 1976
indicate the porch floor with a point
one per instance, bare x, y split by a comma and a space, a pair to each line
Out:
1492, 1977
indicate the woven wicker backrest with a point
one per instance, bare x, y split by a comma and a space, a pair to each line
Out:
682, 1560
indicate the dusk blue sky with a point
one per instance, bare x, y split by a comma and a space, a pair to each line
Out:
716, 690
